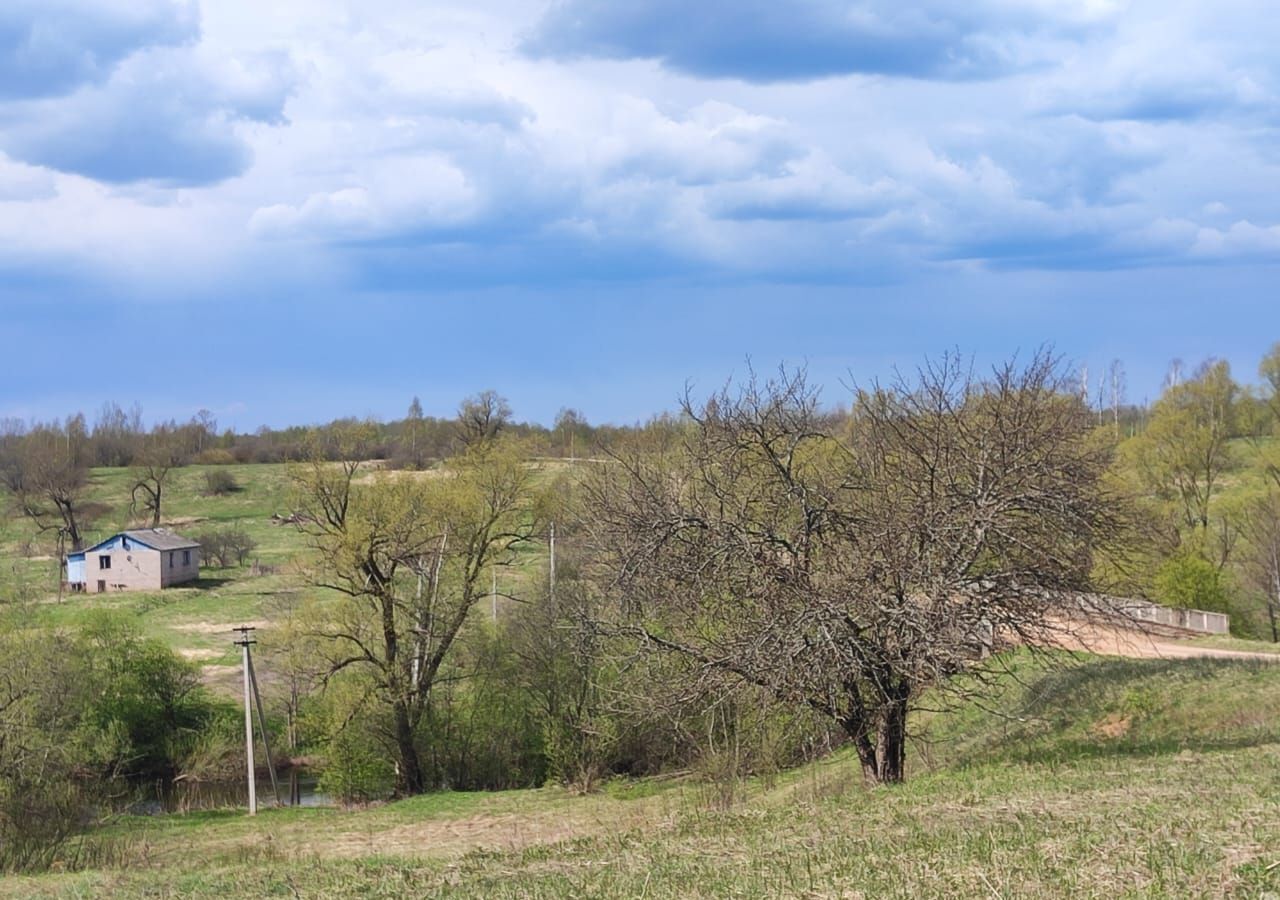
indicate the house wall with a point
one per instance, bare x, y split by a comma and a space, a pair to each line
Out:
176, 572
135, 569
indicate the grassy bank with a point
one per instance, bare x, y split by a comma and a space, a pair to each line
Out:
1046, 795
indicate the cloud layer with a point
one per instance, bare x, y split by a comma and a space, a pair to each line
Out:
763, 41
393, 144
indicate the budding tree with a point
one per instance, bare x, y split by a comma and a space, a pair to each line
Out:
410, 557
850, 572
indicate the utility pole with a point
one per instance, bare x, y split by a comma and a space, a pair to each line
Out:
62, 559
244, 643
262, 726
253, 699
552, 584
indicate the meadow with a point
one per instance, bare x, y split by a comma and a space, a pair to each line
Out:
1089, 777
1105, 777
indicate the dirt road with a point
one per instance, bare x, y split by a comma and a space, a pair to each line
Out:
1138, 644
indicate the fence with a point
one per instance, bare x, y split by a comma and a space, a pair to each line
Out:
1190, 619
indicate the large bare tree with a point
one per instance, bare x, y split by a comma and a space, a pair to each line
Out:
160, 453
850, 572
46, 472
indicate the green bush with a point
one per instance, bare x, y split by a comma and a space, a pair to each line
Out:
1190, 581
42, 810
357, 771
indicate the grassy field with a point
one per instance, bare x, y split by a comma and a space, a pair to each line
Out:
1103, 777
1136, 778
195, 621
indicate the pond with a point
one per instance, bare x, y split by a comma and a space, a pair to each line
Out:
298, 787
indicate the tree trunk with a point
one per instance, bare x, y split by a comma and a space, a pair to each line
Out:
884, 761
891, 738
409, 780
1273, 604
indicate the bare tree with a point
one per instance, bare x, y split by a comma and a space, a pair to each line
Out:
850, 574
569, 422
1116, 386
161, 452
46, 472
482, 416
414, 422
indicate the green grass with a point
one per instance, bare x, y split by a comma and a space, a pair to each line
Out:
1142, 778
1223, 642
1041, 797
1106, 707
194, 620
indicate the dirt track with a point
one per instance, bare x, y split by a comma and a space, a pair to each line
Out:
1138, 644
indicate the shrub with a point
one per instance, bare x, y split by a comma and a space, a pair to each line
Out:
40, 813
1190, 581
220, 482
214, 456
226, 546
357, 771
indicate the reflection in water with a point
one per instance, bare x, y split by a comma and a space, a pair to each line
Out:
298, 787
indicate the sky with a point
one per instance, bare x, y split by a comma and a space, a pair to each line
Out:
291, 211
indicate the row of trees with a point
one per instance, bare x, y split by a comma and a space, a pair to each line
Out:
1206, 472
837, 564
754, 546
44, 467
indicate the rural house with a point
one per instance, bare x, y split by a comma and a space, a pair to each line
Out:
141, 560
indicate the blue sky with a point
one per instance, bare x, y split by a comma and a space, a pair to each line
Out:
291, 211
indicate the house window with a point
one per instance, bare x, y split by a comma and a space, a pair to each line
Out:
104, 562
186, 557
171, 556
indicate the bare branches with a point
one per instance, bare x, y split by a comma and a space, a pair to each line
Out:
848, 573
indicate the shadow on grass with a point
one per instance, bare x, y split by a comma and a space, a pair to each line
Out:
1128, 707
210, 582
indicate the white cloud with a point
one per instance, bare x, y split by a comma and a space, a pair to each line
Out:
402, 194
23, 183
314, 130
1242, 240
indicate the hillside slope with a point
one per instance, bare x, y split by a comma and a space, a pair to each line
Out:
1143, 778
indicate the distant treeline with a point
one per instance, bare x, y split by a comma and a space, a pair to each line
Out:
119, 437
